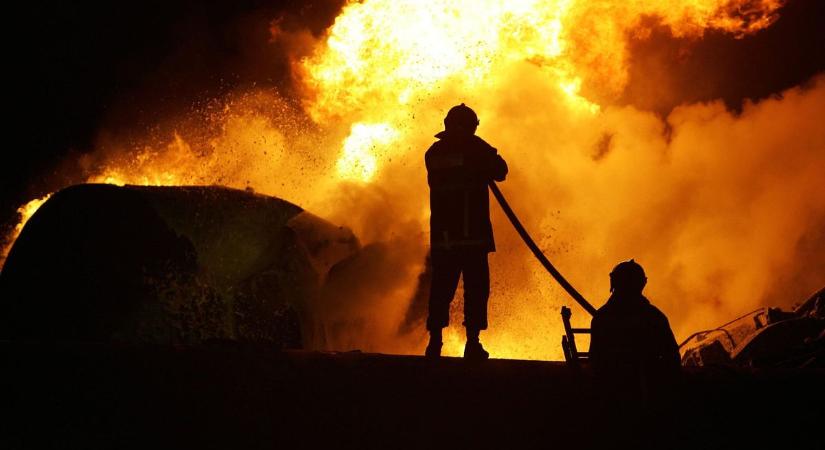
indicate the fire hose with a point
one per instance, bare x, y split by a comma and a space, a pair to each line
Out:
537, 251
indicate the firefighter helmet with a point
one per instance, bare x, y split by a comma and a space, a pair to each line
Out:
461, 117
628, 276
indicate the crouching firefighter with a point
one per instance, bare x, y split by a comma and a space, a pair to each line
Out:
631, 340
460, 165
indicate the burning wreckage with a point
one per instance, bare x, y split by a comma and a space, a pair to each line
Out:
187, 265
766, 337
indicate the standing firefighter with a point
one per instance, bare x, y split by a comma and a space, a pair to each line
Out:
459, 168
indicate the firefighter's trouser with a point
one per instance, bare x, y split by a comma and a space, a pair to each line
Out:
447, 266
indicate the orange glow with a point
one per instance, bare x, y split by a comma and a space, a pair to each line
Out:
358, 159
704, 207
25, 212
382, 55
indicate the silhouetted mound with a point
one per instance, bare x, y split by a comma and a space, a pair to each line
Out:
166, 265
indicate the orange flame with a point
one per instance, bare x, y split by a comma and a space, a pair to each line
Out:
25, 212
375, 90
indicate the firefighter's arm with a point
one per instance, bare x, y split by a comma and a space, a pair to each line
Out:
498, 167
427, 158
668, 348
428, 163
596, 342
672, 348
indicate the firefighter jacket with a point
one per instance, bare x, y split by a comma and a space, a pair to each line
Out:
630, 336
459, 168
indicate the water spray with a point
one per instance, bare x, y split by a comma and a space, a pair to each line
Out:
531, 244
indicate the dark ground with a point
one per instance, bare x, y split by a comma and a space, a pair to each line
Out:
230, 396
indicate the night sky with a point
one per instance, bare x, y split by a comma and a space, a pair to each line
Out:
118, 66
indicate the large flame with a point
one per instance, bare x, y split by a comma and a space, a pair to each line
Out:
703, 206
398, 54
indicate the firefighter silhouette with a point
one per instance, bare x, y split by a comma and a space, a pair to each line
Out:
460, 165
631, 339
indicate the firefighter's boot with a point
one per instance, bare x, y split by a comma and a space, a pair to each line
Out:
474, 351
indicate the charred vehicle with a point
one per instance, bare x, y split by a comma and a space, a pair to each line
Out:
169, 265
766, 337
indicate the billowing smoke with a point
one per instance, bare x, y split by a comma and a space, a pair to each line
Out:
725, 210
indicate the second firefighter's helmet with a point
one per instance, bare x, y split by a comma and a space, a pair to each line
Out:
627, 276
